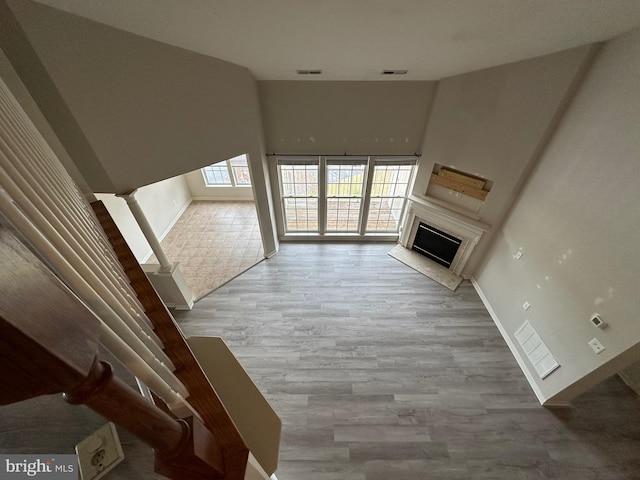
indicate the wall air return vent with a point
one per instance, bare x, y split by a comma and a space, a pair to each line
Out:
309, 72
394, 72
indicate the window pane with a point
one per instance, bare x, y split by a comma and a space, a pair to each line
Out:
344, 180
216, 175
388, 197
344, 196
240, 170
384, 214
299, 184
241, 175
301, 214
391, 180
299, 180
239, 161
343, 214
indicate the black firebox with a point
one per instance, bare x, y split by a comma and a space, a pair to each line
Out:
435, 244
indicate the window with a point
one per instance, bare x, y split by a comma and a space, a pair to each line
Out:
329, 195
299, 191
216, 175
240, 170
345, 181
388, 196
230, 173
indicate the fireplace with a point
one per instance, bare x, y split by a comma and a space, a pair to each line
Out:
436, 244
448, 235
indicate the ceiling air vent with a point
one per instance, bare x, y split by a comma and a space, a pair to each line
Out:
309, 72
394, 72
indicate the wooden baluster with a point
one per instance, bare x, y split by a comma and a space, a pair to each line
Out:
203, 396
49, 344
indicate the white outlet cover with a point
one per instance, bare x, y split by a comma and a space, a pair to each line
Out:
526, 306
596, 346
99, 453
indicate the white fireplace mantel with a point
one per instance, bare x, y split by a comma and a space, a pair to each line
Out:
466, 229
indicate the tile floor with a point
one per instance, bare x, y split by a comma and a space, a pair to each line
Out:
214, 242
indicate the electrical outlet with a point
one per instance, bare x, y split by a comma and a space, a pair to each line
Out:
518, 255
99, 452
596, 346
526, 306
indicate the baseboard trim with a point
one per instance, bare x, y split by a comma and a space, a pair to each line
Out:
345, 238
168, 229
225, 199
514, 351
556, 404
630, 383
175, 220
186, 307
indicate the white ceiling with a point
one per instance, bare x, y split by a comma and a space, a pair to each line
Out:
357, 39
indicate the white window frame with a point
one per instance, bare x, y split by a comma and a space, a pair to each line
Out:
232, 176
370, 163
283, 198
377, 162
364, 161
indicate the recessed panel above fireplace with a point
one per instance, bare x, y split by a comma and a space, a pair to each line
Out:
436, 244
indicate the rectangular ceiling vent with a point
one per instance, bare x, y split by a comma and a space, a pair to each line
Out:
309, 72
394, 72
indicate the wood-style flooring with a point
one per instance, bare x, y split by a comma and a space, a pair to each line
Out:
379, 373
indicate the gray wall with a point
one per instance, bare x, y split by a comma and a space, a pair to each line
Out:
149, 111
493, 123
578, 223
337, 117
15, 84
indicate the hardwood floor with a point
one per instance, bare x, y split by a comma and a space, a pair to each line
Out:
380, 373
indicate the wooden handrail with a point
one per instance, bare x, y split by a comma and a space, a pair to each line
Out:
49, 344
109, 396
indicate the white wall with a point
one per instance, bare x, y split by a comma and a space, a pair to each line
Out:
493, 123
162, 203
336, 117
141, 103
148, 110
200, 191
15, 84
578, 223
